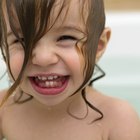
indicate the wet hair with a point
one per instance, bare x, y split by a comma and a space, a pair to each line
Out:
34, 16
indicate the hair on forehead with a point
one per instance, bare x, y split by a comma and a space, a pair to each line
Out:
33, 16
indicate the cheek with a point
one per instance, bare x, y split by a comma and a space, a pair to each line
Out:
16, 62
75, 62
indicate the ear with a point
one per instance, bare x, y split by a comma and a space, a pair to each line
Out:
103, 41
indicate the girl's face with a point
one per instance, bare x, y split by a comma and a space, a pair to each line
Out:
55, 70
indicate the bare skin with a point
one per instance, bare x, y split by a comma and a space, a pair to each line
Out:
33, 121
46, 117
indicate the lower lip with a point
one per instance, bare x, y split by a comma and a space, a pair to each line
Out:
49, 91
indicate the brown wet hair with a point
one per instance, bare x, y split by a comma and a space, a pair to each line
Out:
34, 16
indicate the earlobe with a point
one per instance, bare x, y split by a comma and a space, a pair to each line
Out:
103, 41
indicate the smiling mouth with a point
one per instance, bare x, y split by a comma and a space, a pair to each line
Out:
49, 85
49, 82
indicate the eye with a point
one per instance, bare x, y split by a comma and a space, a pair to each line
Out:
16, 44
18, 40
66, 37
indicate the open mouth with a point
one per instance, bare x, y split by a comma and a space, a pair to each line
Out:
49, 85
50, 81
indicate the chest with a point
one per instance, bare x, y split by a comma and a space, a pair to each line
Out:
27, 123
16, 127
41, 134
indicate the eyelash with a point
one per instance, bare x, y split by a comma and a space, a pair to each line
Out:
18, 41
66, 37
61, 38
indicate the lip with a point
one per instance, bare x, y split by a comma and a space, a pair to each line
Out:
49, 91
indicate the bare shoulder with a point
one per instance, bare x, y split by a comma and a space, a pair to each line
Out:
2, 107
122, 119
126, 122
2, 94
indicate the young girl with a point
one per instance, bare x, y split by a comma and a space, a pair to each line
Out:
51, 48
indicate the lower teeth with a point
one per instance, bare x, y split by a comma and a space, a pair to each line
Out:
53, 84
48, 84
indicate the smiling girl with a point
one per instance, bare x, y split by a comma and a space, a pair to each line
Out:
51, 48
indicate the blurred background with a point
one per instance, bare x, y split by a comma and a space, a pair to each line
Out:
123, 5
121, 61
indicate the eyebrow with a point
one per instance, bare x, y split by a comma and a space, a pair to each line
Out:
61, 28
70, 27
10, 33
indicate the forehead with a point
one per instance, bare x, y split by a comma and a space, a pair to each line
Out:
74, 12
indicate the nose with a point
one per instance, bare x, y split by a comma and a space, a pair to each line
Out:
44, 54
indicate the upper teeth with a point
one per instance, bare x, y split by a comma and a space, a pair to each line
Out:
47, 77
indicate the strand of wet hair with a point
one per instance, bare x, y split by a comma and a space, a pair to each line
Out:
83, 93
18, 99
99, 77
91, 106
76, 117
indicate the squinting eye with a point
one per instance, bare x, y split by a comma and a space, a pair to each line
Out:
66, 37
18, 41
